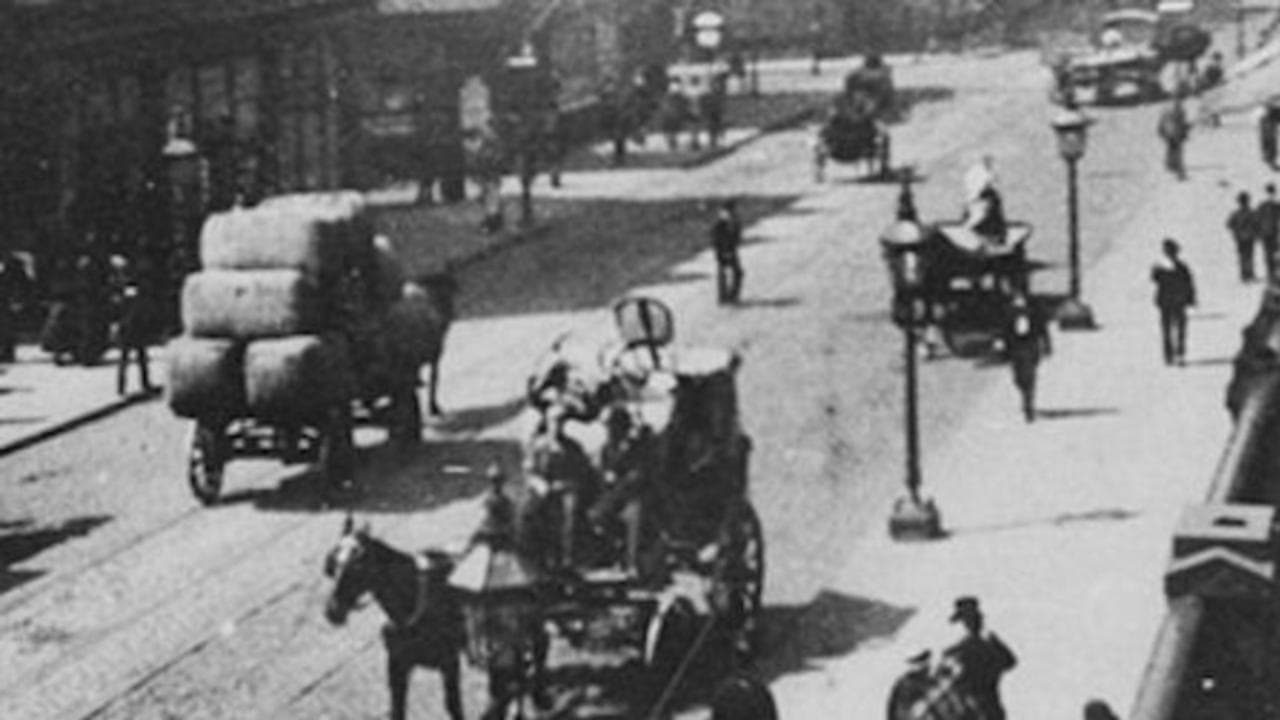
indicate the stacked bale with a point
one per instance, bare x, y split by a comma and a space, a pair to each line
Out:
270, 319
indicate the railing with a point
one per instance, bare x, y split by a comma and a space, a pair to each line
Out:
1256, 398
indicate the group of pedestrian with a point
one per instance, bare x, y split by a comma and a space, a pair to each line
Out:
1254, 227
696, 111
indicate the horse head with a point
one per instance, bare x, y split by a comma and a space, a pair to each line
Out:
352, 565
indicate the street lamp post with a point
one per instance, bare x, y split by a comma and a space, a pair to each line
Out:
913, 517
1072, 128
1240, 44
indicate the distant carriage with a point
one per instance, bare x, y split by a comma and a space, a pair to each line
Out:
969, 282
855, 128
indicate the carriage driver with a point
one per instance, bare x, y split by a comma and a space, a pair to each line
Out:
984, 207
627, 458
558, 467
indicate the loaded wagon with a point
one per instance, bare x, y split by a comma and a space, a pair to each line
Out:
299, 325
697, 590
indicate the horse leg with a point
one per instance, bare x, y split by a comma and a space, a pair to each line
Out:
398, 683
432, 405
450, 674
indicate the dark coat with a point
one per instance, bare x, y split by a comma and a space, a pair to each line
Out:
726, 236
1175, 286
1267, 215
1244, 225
982, 660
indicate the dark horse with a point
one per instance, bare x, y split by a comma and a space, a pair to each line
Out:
424, 617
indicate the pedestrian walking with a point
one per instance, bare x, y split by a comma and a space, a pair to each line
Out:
726, 237
743, 698
15, 291
1243, 224
1175, 292
1267, 135
980, 659
674, 114
1174, 128
711, 110
136, 306
1024, 339
485, 165
1268, 220
910, 687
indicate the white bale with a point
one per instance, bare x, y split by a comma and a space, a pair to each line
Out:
248, 304
297, 378
323, 235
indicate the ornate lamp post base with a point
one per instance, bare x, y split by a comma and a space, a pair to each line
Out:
915, 519
1074, 314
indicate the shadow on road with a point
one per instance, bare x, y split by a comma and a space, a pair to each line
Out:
475, 419
1098, 515
395, 479
26, 542
630, 243
830, 625
1074, 413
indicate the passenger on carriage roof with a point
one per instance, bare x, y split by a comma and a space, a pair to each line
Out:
556, 462
627, 460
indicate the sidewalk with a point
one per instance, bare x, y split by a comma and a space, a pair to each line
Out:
39, 399
1063, 527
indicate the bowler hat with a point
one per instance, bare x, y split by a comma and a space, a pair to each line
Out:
966, 606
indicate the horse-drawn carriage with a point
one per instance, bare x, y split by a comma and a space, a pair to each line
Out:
968, 281
527, 604
855, 128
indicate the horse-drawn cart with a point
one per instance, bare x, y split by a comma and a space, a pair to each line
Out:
300, 325
696, 586
969, 281
855, 128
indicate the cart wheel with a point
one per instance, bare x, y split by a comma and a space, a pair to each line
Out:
738, 584
337, 449
406, 416
206, 461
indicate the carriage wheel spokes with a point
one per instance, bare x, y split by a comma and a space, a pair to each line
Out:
740, 576
206, 461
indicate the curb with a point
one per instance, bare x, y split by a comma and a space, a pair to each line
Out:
72, 422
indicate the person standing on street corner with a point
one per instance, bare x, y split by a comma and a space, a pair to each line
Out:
1174, 128
980, 659
1175, 292
1243, 224
910, 687
726, 236
1268, 221
134, 294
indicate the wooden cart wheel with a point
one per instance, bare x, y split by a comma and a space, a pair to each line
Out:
337, 449
206, 461
738, 585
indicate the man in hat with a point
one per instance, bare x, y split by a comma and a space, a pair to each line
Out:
910, 687
980, 659
560, 473
1267, 213
1174, 128
1244, 227
726, 236
1175, 292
